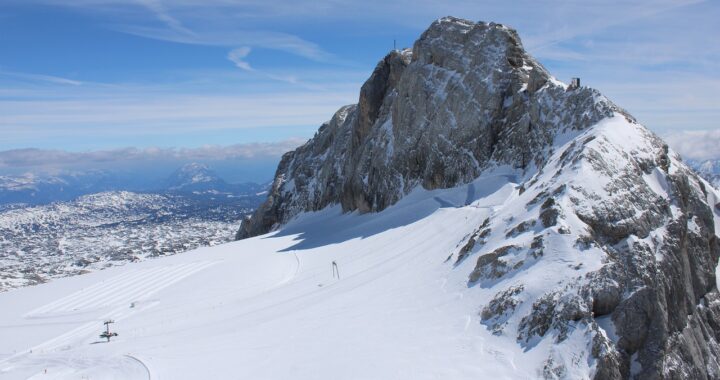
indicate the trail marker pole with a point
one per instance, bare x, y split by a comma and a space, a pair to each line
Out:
336, 271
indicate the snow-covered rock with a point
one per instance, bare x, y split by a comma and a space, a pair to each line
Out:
603, 259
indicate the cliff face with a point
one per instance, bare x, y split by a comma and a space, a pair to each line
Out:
630, 230
467, 96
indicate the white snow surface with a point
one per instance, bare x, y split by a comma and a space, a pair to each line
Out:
269, 307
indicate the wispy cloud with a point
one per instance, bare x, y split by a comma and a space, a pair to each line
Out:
170, 113
197, 107
40, 78
676, 102
229, 38
162, 14
257, 23
587, 18
237, 56
212, 23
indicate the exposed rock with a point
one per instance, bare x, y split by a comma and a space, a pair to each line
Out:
549, 214
537, 323
605, 292
489, 266
497, 312
520, 228
475, 240
660, 294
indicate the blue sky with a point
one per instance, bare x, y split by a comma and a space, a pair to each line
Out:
88, 75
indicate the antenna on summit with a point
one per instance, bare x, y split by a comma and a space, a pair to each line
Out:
394, 45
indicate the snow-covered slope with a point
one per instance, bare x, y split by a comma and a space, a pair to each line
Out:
405, 305
269, 307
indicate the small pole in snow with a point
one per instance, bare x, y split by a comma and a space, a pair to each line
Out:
394, 45
336, 271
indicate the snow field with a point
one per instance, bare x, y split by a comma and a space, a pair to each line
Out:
269, 307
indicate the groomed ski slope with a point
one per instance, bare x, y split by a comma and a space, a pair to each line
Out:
269, 307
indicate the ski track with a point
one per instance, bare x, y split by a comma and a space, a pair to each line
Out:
142, 363
123, 289
118, 291
113, 367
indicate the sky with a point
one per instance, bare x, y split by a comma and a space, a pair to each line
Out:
201, 75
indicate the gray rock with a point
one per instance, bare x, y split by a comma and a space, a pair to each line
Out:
498, 311
549, 213
491, 266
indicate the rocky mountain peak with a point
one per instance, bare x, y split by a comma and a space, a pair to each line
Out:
465, 98
488, 48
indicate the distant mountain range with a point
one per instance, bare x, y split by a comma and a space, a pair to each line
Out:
34, 189
193, 178
200, 179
